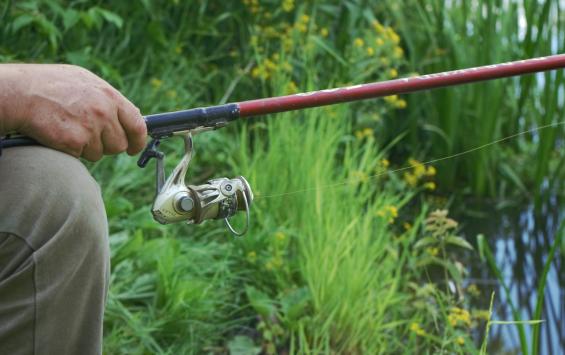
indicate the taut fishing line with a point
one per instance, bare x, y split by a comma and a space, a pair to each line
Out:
429, 162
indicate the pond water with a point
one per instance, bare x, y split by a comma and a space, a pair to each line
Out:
520, 238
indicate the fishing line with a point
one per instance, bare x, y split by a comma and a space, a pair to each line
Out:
429, 162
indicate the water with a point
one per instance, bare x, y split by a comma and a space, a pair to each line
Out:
520, 238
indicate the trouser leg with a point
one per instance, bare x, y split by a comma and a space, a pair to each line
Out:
54, 255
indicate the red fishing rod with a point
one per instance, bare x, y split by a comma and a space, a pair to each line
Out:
165, 124
222, 198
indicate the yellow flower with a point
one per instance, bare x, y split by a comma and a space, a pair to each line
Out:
370, 51
393, 35
178, 49
301, 27
474, 290
359, 176
280, 236
400, 104
407, 226
415, 327
172, 94
391, 99
385, 61
156, 83
460, 340
365, 132
252, 257
288, 5
379, 42
430, 186
398, 52
431, 171
291, 88
410, 179
393, 73
458, 315
324, 32
378, 27
305, 18
385, 163
481, 314
358, 42
432, 251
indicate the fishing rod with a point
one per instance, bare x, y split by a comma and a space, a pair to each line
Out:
221, 198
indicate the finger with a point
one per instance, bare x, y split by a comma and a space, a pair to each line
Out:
114, 138
93, 151
133, 125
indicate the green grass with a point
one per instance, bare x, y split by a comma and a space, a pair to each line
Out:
327, 265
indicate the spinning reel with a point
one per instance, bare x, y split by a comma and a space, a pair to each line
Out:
175, 201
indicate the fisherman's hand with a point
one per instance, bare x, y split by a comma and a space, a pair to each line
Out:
68, 108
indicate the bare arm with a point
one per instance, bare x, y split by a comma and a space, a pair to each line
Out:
68, 108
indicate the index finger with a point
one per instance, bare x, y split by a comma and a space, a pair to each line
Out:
134, 126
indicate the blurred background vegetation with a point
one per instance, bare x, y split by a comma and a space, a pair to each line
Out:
372, 266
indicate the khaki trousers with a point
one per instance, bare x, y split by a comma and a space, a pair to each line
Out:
54, 254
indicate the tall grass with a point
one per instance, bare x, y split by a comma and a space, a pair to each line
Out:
443, 36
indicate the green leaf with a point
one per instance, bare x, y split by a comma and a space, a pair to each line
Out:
22, 21
242, 345
458, 241
260, 302
424, 242
294, 304
70, 18
112, 17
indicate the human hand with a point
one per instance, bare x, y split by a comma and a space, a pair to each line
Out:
70, 109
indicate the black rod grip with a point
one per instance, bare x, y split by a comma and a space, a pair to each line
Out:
165, 124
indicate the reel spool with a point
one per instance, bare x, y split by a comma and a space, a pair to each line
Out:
175, 201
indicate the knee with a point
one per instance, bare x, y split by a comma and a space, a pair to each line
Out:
49, 198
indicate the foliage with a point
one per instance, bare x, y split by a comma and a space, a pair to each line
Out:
342, 255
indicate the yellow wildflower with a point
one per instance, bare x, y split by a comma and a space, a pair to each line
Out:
324, 32
379, 42
359, 176
301, 27
252, 257
392, 35
431, 171
481, 314
460, 340
288, 5
410, 179
304, 18
385, 61
156, 83
458, 315
370, 51
400, 104
474, 290
291, 87
398, 52
432, 251
280, 236
378, 27
358, 42
407, 226
419, 168
393, 73
385, 163
178, 49
430, 186
391, 99
172, 94
415, 327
